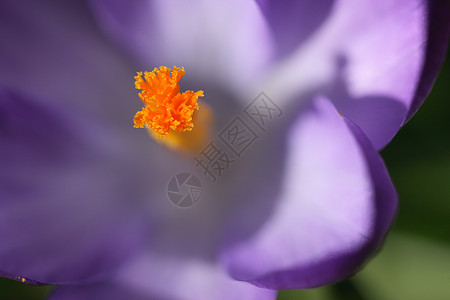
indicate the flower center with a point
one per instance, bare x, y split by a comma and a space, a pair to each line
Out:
170, 115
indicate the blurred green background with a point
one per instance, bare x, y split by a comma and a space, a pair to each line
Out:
414, 262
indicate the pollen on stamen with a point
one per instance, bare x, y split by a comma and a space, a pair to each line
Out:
166, 109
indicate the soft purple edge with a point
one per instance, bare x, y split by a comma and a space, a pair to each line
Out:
340, 267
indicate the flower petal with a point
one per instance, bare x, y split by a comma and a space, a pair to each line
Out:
65, 195
53, 50
169, 278
293, 21
226, 42
438, 33
387, 54
335, 206
18, 278
97, 291
366, 51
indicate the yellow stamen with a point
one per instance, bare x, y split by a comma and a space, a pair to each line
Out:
165, 107
168, 114
190, 142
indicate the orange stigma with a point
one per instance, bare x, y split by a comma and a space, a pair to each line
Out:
166, 109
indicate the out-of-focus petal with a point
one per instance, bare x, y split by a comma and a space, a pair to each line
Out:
159, 277
53, 49
334, 208
438, 33
69, 204
390, 61
18, 278
110, 291
366, 51
293, 21
224, 43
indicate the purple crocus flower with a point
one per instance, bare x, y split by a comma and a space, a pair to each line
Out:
83, 199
